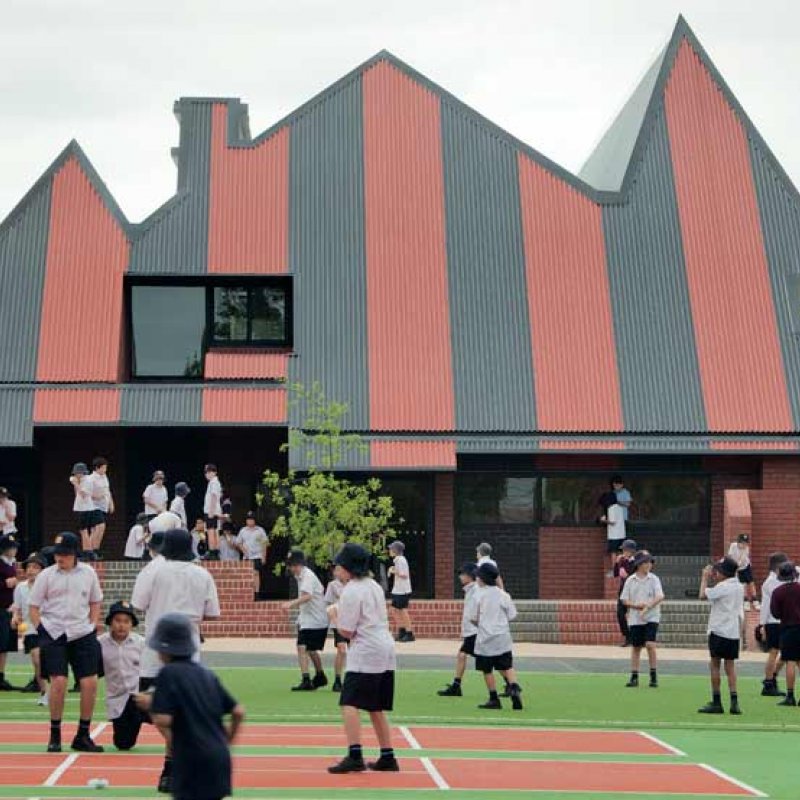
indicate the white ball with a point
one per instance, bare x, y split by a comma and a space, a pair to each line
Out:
97, 783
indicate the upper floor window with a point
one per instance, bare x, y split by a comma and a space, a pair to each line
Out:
246, 315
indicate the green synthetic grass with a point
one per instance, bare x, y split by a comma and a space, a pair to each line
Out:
758, 748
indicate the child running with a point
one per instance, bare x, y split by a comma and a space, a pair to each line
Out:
739, 551
642, 596
333, 591
494, 610
785, 606
401, 591
469, 630
22, 621
769, 629
724, 630
360, 616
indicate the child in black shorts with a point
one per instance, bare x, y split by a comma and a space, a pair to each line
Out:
768, 632
785, 606
469, 630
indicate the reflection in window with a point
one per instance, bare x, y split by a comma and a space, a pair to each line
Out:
249, 315
168, 328
486, 499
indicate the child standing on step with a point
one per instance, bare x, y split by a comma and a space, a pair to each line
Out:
769, 628
642, 595
401, 591
739, 551
469, 631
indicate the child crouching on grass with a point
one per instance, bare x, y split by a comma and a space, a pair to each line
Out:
642, 596
494, 610
360, 616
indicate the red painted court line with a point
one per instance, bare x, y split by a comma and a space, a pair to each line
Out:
522, 740
586, 776
27, 769
250, 772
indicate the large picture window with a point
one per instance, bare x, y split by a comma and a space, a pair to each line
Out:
492, 499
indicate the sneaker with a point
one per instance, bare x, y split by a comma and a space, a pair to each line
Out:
31, 687
346, 765
5, 686
384, 765
506, 691
757, 605
788, 701
490, 703
337, 684
770, 689
633, 682
408, 636
734, 709
54, 746
653, 683
164, 783
320, 680
746, 605
44, 700
711, 708
516, 700
451, 690
305, 685
84, 743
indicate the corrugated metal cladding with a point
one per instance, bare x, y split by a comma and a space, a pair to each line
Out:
754, 445
222, 365
327, 253
354, 459
569, 306
248, 205
741, 368
254, 405
492, 358
161, 405
16, 416
174, 239
410, 364
658, 369
23, 255
87, 252
75, 404
780, 223
413, 455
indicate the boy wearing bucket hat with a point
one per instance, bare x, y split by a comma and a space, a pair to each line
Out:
768, 632
102, 501
361, 617
493, 611
121, 650
401, 591
785, 606
333, 591
155, 495
739, 551
34, 564
469, 631
312, 622
8, 582
83, 506
65, 609
623, 569
188, 705
724, 630
178, 504
642, 596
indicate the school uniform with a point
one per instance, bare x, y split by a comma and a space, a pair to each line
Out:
623, 569
195, 699
135, 544
22, 603
212, 503
84, 505
155, 499
494, 610
624, 496
312, 616
8, 517
101, 496
642, 625
741, 555
770, 624
163, 522
469, 630
401, 587
785, 606
178, 507
253, 541
333, 592
371, 660
8, 635
615, 529
121, 665
227, 551
725, 618
487, 560
67, 636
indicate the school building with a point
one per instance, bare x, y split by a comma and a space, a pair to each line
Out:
507, 335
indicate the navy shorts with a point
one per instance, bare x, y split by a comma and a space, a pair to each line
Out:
488, 664
313, 639
772, 635
8, 635
368, 691
614, 545
338, 638
82, 655
30, 643
400, 601
790, 643
89, 519
468, 644
640, 635
745, 575
722, 647
212, 523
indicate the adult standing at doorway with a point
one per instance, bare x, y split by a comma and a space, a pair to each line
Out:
103, 502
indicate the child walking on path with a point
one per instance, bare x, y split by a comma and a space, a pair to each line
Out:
469, 631
642, 596
401, 591
769, 628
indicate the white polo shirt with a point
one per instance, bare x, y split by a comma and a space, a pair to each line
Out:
333, 591
642, 590
494, 612
101, 491
616, 518
8, 517
487, 560
401, 585
312, 614
252, 541
727, 608
155, 499
362, 611
163, 522
63, 598
178, 506
740, 554
767, 588
121, 664
134, 546
212, 504
471, 594
174, 586
22, 604
83, 496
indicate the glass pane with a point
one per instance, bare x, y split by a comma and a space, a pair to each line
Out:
486, 499
669, 500
168, 328
230, 314
269, 314
573, 500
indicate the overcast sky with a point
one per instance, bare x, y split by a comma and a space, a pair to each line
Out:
552, 73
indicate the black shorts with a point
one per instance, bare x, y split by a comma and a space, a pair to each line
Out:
368, 691
614, 545
790, 643
212, 523
640, 635
30, 643
468, 644
8, 635
313, 639
400, 601
257, 564
487, 664
127, 726
88, 519
722, 647
745, 575
82, 655
338, 638
772, 635
146, 684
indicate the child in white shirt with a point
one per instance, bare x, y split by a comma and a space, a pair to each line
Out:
333, 591
769, 628
212, 508
21, 620
252, 542
178, 504
83, 505
401, 591
469, 631
739, 551
137, 538
155, 495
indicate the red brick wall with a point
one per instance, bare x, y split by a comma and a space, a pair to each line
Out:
444, 535
776, 526
738, 515
720, 481
583, 579
781, 472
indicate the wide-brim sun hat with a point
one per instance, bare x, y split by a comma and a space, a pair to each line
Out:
173, 636
354, 558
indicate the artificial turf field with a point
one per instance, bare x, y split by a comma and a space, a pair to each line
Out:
289, 738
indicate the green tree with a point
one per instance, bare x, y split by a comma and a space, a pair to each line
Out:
319, 510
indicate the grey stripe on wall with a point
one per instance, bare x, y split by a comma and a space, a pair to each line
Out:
327, 252
492, 365
16, 416
175, 239
161, 405
23, 257
780, 223
658, 365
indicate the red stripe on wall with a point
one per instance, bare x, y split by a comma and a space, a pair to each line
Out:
222, 365
410, 371
76, 405
248, 227
413, 455
87, 252
258, 406
574, 355
741, 366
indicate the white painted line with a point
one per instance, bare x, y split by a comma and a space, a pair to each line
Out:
720, 774
436, 776
53, 777
409, 737
662, 743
